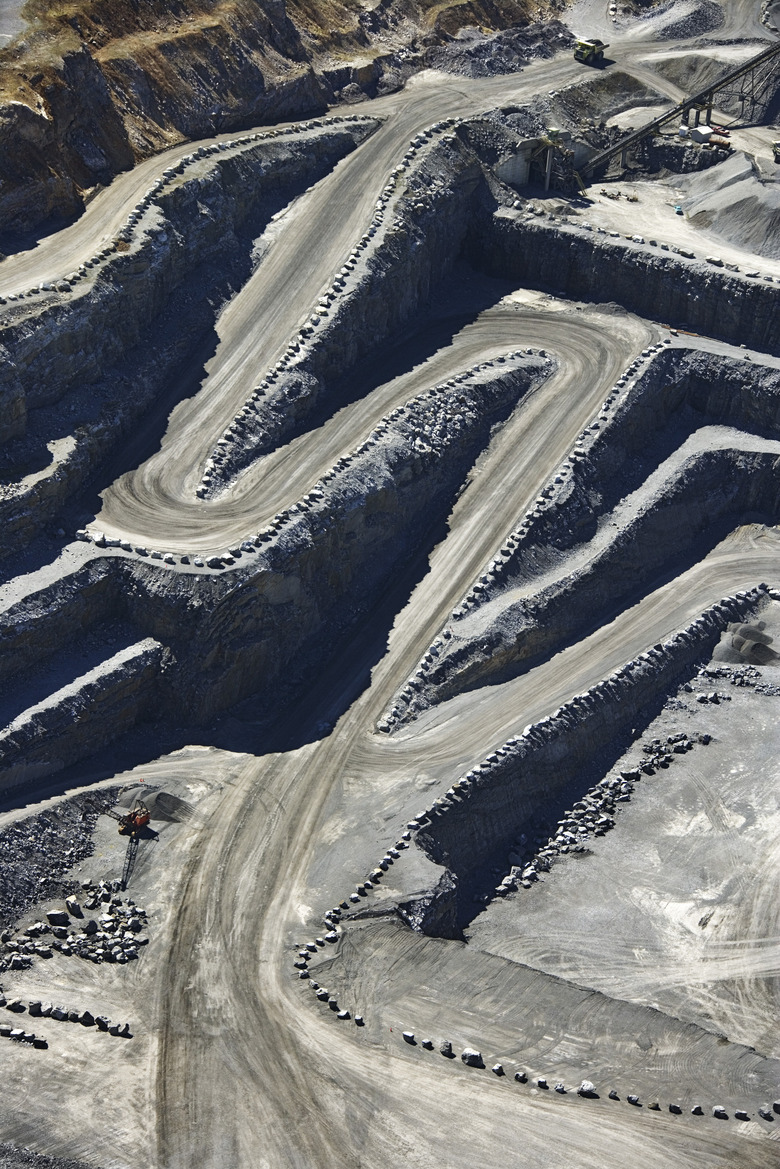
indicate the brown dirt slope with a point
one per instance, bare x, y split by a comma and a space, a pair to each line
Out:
94, 85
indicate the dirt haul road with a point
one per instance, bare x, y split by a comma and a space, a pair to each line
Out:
244, 1070
245, 1065
311, 241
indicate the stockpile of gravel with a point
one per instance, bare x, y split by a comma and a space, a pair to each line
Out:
473, 54
36, 852
702, 18
12, 1158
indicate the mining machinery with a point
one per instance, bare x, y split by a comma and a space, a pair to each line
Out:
590, 52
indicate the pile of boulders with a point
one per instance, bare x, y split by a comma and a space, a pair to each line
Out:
37, 852
112, 936
740, 676
594, 814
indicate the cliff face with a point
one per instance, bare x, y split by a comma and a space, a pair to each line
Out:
57, 141
204, 640
131, 317
97, 85
571, 262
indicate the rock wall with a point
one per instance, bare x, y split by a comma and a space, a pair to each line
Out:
420, 221
13, 406
90, 712
631, 446
587, 265
489, 807
272, 612
117, 331
45, 621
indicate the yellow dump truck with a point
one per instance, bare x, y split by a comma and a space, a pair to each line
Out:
590, 52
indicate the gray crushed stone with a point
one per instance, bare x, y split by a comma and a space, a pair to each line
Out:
13, 1158
36, 853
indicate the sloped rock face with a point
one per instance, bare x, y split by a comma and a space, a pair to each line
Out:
45, 622
669, 502
322, 564
582, 265
242, 66
679, 392
542, 768
13, 407
131, 323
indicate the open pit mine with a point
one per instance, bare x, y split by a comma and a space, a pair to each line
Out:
390, 585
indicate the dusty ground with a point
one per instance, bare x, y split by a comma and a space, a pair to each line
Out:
673, 909
233, 1061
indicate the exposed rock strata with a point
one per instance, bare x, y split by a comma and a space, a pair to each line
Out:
573, 262
573, 558
490, 806
110, 324
296, 583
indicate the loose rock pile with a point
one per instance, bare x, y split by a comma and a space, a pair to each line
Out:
12, 1157
592, 815
37, 851
114, 936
